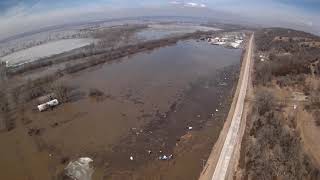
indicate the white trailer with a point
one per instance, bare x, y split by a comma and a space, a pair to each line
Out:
49, 104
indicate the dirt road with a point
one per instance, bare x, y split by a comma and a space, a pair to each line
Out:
223, 152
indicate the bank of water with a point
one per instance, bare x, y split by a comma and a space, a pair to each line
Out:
150, 100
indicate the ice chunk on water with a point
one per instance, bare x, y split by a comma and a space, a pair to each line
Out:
80, 169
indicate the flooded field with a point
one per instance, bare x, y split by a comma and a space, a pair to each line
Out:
158, 31
44, 50
127, 114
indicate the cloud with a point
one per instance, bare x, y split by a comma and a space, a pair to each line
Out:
188, 4
17, 10
174, 2
192, 4
272, 13
309, 23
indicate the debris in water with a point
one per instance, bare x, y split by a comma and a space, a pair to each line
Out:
217, 110
80, 169
164, 157
34, 131
190, 127
64, 160
149, 152
131, 158
198, 116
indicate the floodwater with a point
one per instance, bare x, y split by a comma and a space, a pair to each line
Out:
150, 100
158, 31
45, 50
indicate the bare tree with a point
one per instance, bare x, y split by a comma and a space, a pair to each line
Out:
62, 92
265, 101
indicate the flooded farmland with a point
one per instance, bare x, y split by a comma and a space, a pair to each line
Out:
127, 114
45, 50
158, 31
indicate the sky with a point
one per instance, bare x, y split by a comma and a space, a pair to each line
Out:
18, 16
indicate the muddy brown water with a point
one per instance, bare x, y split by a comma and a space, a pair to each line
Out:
149, 101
